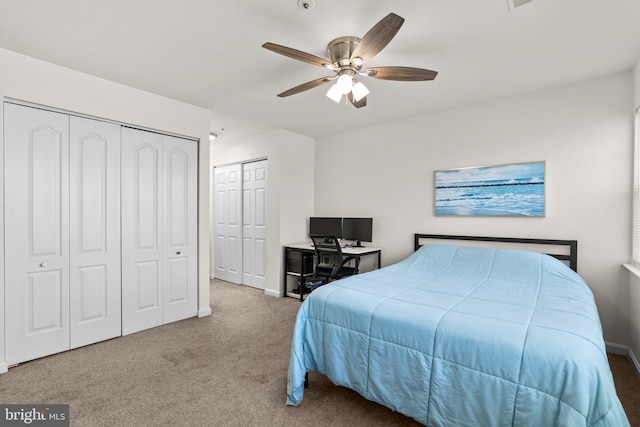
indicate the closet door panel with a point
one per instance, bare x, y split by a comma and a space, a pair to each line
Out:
178, 281
142, 189
180, 228
147, 286
93, 296
45, 305
36, 150
228, 223
254, 223
95, 231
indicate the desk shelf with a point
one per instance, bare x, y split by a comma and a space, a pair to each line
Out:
298, 265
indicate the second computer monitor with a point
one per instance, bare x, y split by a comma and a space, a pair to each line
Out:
358, 229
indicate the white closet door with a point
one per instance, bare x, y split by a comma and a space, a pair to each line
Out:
228, 223
180, 228
254, 223
142, 290
95, 231
36, 150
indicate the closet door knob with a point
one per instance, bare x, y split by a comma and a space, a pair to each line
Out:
177, 252
44, 264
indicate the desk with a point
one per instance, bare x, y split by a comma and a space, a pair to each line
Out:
298, 262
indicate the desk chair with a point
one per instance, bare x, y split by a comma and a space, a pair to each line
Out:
329, 261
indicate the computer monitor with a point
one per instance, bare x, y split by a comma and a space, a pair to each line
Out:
358, 229
325, 226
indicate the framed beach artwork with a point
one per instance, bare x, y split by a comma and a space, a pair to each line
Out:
505, 190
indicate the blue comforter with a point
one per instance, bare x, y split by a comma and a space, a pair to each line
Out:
462, 337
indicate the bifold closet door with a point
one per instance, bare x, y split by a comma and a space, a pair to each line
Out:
159, 230
94, 195
180, 229
36, 209
240, 223
254, 224
62, 232
228, 223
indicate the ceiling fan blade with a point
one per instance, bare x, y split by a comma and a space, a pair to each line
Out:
378, 37
299, 55
407, 74
357, 104
306, 86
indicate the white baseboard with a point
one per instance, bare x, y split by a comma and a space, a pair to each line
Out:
624, 350
204, 312
271, 293
634, 362
4, 368
614, 348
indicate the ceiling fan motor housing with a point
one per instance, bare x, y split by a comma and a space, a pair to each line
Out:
341, 49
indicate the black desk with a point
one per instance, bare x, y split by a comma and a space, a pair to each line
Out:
298, 262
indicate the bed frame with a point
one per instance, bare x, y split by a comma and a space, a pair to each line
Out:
564, 250
555, 248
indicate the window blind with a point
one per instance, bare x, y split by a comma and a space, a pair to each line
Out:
636, 192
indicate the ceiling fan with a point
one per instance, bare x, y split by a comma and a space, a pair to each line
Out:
347, 56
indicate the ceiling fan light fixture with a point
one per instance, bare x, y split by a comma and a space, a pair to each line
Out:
334, 93
344, 83
359, 91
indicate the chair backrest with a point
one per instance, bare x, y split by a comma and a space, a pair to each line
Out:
328, 259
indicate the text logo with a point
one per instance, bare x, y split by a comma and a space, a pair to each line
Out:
34, 415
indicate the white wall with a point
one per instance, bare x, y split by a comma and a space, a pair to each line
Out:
290, 183
584, 134
634, 318
32, 80
636, 85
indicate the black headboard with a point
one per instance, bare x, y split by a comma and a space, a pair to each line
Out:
572, 245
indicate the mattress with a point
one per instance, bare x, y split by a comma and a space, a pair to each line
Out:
465, 337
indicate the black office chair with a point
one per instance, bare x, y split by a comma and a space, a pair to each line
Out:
329, 261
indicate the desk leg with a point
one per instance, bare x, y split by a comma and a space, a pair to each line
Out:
302, 275
284, 270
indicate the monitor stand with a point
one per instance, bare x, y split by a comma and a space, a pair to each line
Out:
357, 245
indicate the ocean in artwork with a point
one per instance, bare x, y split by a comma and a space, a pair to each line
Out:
508, 190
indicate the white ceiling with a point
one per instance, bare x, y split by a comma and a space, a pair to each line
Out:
208, 52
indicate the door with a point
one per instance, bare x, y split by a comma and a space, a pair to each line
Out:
94, 258
159, 229
36, 164
228, 223
142, 189
180, 228
254, 223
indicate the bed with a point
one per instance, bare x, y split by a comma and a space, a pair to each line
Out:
463, 336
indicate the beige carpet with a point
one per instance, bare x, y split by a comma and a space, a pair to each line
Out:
228, 369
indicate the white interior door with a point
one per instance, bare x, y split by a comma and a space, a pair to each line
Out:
36, 150
180, 228
142, 189
228, 223
94, 190
254, 223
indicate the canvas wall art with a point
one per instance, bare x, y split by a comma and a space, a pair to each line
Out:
505, 190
